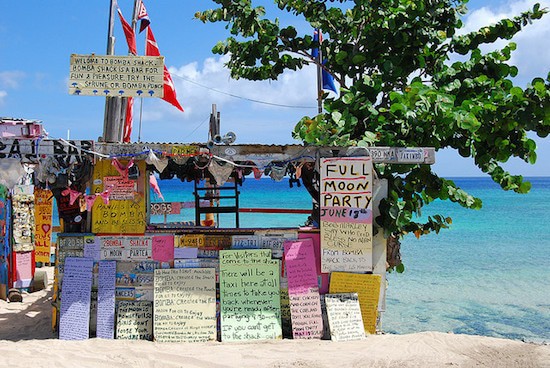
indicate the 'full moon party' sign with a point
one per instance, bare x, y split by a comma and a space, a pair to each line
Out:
346, 214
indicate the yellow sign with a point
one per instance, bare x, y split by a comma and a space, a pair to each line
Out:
43, 205
189, 241
185, 150
118, 216
367, 288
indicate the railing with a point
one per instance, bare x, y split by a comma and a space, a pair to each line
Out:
275, 210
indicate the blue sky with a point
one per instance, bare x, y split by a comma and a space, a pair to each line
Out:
38, 37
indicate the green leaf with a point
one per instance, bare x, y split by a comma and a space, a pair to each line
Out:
358, 59
397, 107
525, 187
336, 116
341, 57
516, 92
348, 98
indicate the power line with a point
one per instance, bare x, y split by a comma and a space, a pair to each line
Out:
198, 126
245, 98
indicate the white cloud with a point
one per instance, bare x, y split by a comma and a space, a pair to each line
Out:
199, 85
531, 57
10, 79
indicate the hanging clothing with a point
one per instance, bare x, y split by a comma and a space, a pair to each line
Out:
122, 169
90, 200
153, 183
257, 173
220, 170
159, 163
73, 195
278, 172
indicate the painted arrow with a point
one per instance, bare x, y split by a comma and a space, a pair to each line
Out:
106, 91
151, 92
139, 92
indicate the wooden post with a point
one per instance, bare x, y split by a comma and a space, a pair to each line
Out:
112, 128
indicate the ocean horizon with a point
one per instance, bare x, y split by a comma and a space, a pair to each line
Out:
488, 274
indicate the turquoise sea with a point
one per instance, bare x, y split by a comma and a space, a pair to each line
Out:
489, 274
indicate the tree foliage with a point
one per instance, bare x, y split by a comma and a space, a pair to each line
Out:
400, 88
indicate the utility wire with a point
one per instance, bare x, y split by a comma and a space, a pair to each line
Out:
198, 126
244, 98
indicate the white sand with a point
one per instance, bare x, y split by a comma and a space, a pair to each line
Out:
26, 340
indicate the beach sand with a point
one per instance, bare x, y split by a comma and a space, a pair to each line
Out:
26, 340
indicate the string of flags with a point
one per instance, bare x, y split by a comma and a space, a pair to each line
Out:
151, 49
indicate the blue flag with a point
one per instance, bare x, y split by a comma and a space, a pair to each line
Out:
327, 78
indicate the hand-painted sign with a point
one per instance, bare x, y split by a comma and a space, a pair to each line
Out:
367, 288
106, 300
67, 151
185, 305
134, 320
344, 316
303, 290
74, 320
43, 208
118, 216
23, 218
249, 295
163, 248
346, 214
119, 188
111, 75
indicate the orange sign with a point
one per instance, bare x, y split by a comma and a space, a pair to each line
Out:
43, 207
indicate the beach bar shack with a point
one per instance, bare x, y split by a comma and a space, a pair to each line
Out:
125, 270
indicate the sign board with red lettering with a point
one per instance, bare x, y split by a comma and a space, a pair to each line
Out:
118, 216
346, 214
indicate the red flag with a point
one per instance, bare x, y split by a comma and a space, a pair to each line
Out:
129, 33
151, 49
128, 120
143, 17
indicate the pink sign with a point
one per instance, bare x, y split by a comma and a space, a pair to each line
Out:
163, 248
323, 278
300, 266
23, 265
303, 290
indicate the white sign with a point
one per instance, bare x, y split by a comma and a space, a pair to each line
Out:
110, 75
346, 214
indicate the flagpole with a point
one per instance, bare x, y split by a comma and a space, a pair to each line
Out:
319, 76
112, 128
134, 26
